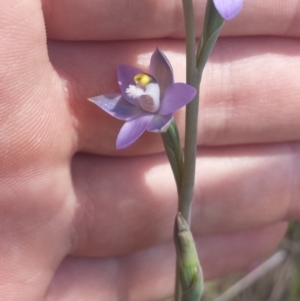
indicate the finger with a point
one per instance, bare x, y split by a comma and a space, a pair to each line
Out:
237, 188
118, 19
249, 93
150, 274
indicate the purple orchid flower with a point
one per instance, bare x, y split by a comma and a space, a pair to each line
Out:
228, 9
147, 100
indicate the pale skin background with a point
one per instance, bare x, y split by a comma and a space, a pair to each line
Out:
114, 210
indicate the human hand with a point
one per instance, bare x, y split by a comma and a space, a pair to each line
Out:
82, 221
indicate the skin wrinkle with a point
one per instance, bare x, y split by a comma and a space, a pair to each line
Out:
74, 120
70, 271
268, 90
70, 25
123, 214
123, 280
176, 20
228, 103
84, 216
108, 12
254, 174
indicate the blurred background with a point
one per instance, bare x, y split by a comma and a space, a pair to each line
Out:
278, 279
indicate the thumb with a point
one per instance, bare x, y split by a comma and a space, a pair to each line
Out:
31, 93
23, 47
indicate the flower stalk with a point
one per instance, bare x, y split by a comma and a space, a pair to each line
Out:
190, 147
188, 286
195, 64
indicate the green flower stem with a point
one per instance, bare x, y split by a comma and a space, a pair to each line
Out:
185, 178
188, 175
190, 146
195, 64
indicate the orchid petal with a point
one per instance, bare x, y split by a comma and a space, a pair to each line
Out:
159, 122
125, 78
133, 129
176, 96
116, 106
228, 9
161, 70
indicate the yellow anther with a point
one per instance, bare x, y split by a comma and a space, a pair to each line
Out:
143, 79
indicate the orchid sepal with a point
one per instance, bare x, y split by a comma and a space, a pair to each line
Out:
116, 106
